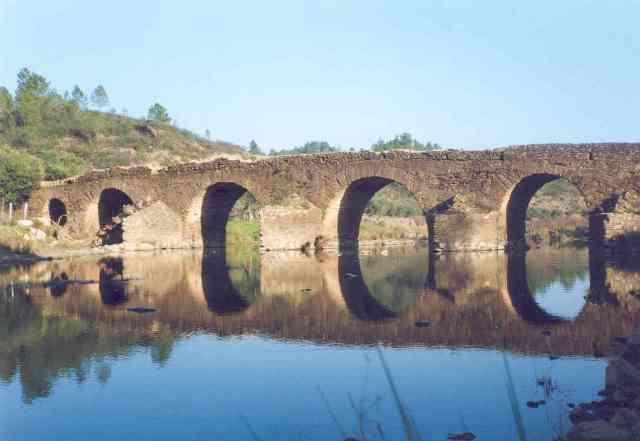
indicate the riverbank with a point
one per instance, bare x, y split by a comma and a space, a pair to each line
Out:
616, 417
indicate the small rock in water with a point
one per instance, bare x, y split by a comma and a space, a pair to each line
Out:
466, 436
141, 310
423, 323
535, 404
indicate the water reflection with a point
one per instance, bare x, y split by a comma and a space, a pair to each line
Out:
113, 286
481, 299
72, 319
228, 288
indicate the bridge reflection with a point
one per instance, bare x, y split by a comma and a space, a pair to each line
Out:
477, 299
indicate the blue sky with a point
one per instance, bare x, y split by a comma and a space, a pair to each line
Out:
464, 74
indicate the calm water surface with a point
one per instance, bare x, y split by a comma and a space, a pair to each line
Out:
284, 346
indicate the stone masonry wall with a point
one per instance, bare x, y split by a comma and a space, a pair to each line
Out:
480, 184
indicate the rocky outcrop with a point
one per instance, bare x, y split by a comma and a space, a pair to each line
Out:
616, 417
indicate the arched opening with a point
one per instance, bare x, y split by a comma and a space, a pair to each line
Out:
57, 212
545, 209
230, 225
377, 209
113, 207
229, 212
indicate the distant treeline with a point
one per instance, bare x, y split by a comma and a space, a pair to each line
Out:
404, 141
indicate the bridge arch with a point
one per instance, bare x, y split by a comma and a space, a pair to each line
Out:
111, 205
517, 204
216, 207
58, 214
343, 217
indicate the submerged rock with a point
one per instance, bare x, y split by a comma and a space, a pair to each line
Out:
466, 436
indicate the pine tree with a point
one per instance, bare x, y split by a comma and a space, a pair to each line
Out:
78, 96
99, 97
254, 149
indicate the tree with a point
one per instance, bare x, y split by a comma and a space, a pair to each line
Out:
307, 148
32, 88
78, 96
404, 141
254, 149
30, 83
99, 97
158, 113
20, 173
6, 110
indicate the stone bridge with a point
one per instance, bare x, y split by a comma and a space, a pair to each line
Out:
472, 200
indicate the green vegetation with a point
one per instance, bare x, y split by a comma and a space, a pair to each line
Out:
309, 147
393, 200
254, 149
20, 173
404, 141
70, 134
556, 215
159, 114
243, 233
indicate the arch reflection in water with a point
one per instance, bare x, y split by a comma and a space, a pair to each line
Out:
113, 286
58, 284
382, 287
230, 283
522, 299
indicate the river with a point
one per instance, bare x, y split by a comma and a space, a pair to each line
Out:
240, 345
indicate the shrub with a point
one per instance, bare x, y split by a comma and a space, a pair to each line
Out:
61, 164
20, 173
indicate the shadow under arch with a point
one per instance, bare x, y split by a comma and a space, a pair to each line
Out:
352, 206
57, 212
518, 203
220, 291
521, 297
113, 287
111, 205
219, 199
358, 298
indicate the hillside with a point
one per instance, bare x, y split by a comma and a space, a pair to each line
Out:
71, 136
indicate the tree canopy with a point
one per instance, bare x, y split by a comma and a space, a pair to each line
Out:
20, 173
404, 141
254, 149
99, 97
309, 147
158, 113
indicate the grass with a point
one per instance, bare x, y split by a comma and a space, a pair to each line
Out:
243, 233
